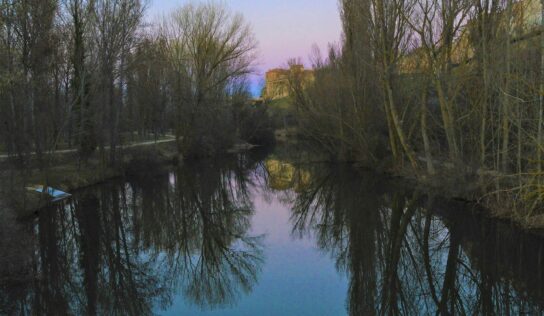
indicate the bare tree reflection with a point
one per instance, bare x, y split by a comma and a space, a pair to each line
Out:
126, 249
402, 257
344, 216
204, 233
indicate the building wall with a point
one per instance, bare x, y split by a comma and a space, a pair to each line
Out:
277, 81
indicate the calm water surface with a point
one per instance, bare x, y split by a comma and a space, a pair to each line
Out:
267, 236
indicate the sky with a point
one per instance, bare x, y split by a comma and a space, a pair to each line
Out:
284, 28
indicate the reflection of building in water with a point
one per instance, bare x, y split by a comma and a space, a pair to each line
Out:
284, 176
277, 80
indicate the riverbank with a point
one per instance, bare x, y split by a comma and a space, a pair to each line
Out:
161, 140
68, 176
490, 192
447, 182
494, 195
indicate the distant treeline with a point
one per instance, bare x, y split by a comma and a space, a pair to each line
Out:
90, 74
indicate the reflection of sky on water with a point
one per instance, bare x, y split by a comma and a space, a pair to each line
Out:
243, 237
296, 278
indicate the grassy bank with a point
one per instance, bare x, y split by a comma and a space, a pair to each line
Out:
65, 174
496, 195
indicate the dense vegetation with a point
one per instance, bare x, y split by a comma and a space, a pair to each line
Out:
427, 85
447, 88
92, 74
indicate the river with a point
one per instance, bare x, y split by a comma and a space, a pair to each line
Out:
264, 234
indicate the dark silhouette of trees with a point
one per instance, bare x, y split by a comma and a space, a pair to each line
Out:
90, 75
126, 249
403, 258
453, 84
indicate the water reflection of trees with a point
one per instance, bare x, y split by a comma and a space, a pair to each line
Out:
126, 248
402, 259
202, 232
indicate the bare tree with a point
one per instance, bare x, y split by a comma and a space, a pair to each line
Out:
208, 46
440, 25
391, 38
115, 25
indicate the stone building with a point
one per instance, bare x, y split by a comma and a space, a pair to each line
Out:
277, 81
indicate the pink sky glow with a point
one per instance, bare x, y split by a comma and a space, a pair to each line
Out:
284, 28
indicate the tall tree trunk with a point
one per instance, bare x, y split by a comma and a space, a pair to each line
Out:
388, 19
519, 132
506, 95
447, 119
391, 131
424, 134
485, 98
398, 127
113, 114
541, 91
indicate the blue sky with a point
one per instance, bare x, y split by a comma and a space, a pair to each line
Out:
284, 28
